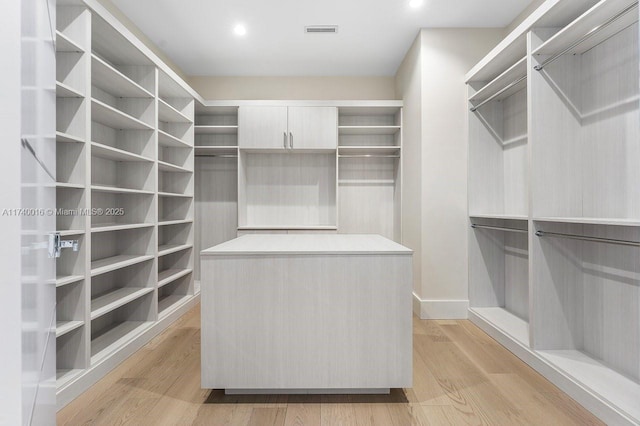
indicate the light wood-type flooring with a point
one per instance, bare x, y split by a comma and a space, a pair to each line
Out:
461, 377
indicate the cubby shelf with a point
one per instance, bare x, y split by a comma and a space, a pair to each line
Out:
366, 150
117, 190
216, 130
226, 150
109, 227
67, 138
169, 114
115, 154
70, 232
64, 327
102, 266
499, 216
68, 279
115, 338
170, 275
114, 118
163, 166
69, 185
166, 249
174, 195
586, 23
174, 222
168, 140
66, 91
165, 304
111, 301
106, 77
589, 221
368, 130
65, 44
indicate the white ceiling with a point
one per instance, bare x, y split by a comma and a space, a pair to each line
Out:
373, 35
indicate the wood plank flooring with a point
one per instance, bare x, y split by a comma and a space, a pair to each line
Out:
461, 377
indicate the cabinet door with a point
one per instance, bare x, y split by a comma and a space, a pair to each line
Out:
262, 127
313, 127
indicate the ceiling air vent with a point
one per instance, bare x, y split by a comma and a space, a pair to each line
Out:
321, 29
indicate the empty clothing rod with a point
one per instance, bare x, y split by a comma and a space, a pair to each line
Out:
499, 228
495, 95
368, 156
585, 238
217, 155
586, 37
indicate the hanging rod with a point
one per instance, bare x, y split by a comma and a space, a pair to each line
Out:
499, 228
586, 36
495, 95
585, 238
368, 156
217, 155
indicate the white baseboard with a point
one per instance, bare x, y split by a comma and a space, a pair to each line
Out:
440, 309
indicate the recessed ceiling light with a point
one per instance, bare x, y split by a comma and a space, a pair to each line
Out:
241, 30
415, 3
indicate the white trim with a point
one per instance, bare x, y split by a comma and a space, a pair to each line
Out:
440, 309
93, 374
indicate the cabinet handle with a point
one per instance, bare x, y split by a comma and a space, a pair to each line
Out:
291, 140
285, 139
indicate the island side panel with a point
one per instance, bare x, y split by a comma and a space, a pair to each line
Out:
306, 322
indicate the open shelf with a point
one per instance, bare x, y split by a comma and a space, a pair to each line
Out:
115, 338
589, 221
598, 377
174, 222
168, 140
506, 322
222, 150
166, 304
65, 44
102, 266
163, 166
169, 275
64, 327
216, 130
591, 19
109, 227
66, 91
169, 114
107, 78
69, 185
67, 138
174, 195
115, 299
288, 227
115, 154
368, 130
499, 216
166, 249
68, 279
114, 118
116, 190
368, 150
518, 70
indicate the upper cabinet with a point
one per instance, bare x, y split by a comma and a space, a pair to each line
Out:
281, 127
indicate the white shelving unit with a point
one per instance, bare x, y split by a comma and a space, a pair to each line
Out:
125, 175
553, 194
370, 170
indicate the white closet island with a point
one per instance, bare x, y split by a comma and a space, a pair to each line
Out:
306, 313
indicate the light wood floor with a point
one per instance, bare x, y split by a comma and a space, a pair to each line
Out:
461, 376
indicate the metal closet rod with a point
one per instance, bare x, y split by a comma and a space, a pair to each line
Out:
495, 95
586, 238
499, 228
217, 155
368, 156
586, 36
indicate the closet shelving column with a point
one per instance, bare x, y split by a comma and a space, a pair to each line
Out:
498, 197
175, 195
72, 87
216, 180
123, 188
369, 170
586, 204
